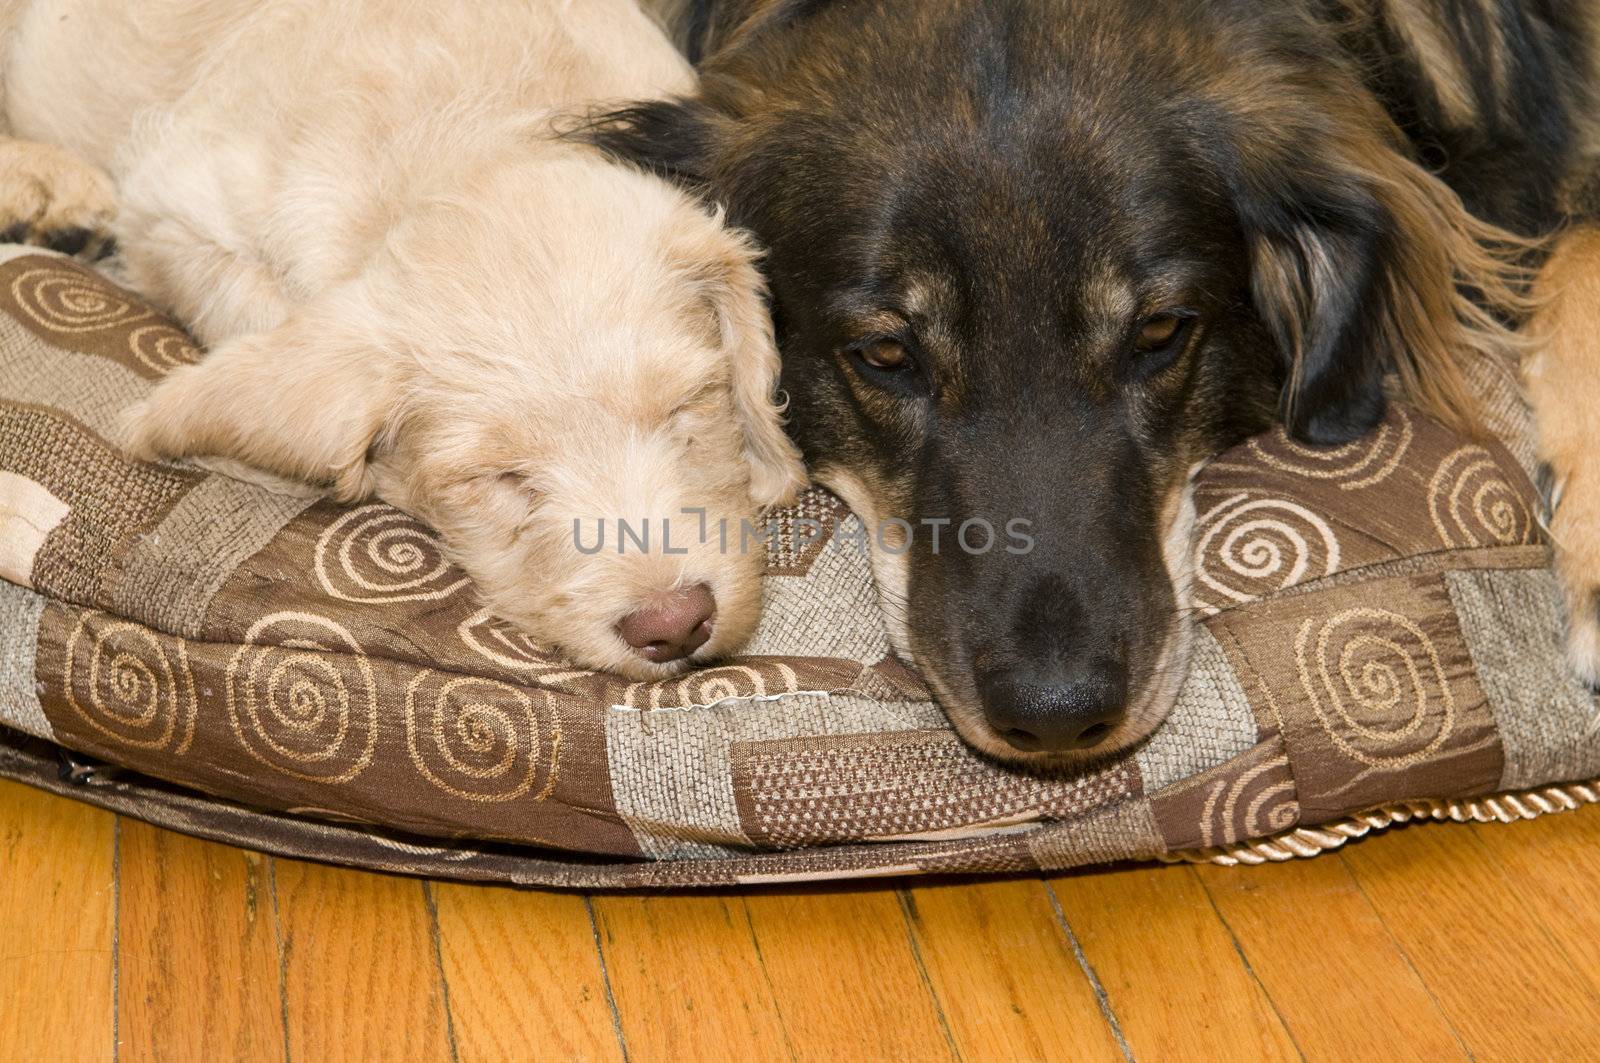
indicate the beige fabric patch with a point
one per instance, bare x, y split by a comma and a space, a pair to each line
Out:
28, 514
672, 773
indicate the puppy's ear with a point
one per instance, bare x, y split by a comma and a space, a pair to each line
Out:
724, 270
1363, 264
673, 137
306, 401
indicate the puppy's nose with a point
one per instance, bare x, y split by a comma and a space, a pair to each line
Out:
671, 627
1075, 711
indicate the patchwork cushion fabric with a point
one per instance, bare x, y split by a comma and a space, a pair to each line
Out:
1376, 625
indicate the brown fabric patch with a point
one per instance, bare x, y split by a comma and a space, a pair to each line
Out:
804, 530
1374, 692
1251, 796
74, 308
814, 790
1274, 514
1121, 832
300, 717
744, 677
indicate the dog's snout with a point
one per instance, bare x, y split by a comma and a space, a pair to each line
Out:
1074, 711
673, 626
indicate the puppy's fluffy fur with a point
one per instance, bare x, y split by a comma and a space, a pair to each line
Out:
412, 289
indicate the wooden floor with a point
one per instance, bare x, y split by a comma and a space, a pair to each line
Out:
120, 941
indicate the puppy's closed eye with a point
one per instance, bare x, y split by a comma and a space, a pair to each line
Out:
512, 480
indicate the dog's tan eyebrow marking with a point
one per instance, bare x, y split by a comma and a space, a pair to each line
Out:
1109, 293
877, 322
1173, 287
911, 305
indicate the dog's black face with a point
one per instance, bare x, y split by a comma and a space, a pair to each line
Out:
1028, 361
1031, 264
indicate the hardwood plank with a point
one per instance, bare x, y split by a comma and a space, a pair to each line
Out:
844, 975
1005, 973
1338, 979
1553, 864
688, 978
524, 974
1505, 983
57, 927
197, 949
361, 979
1171, 972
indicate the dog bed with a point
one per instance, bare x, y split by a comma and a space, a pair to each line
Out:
1377, 638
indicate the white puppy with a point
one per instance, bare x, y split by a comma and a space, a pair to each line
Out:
412, 291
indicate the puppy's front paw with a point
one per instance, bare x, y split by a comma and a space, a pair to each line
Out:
1574, 503
136, 435
160, 427
51, 198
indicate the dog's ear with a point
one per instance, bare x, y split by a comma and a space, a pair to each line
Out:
306, 401
1317, 278
724, 273
1363, 264
673, 137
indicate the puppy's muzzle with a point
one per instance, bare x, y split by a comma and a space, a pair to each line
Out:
1072, 707
673, 626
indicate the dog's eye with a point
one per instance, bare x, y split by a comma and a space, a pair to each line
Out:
1159, 340
1158, 331
886, 356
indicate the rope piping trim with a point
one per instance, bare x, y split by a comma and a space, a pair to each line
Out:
1306, 842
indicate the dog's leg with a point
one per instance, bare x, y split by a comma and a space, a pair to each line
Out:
51, 198
303, 402
1563, 380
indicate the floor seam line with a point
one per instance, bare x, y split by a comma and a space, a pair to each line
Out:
438, 965
922, 971
605, 977
1244, 961
1100, 995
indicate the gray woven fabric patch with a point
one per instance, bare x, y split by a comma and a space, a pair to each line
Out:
672, 766
169, 579
1549, 723
831, 611
19, 634
92, 390
1211, 723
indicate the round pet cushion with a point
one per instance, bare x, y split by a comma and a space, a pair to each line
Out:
1375, 624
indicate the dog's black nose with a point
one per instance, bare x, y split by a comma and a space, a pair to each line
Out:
1073, 711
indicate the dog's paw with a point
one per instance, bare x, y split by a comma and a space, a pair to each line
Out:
51, 198
1573, 507
1580, 587
1583, 637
